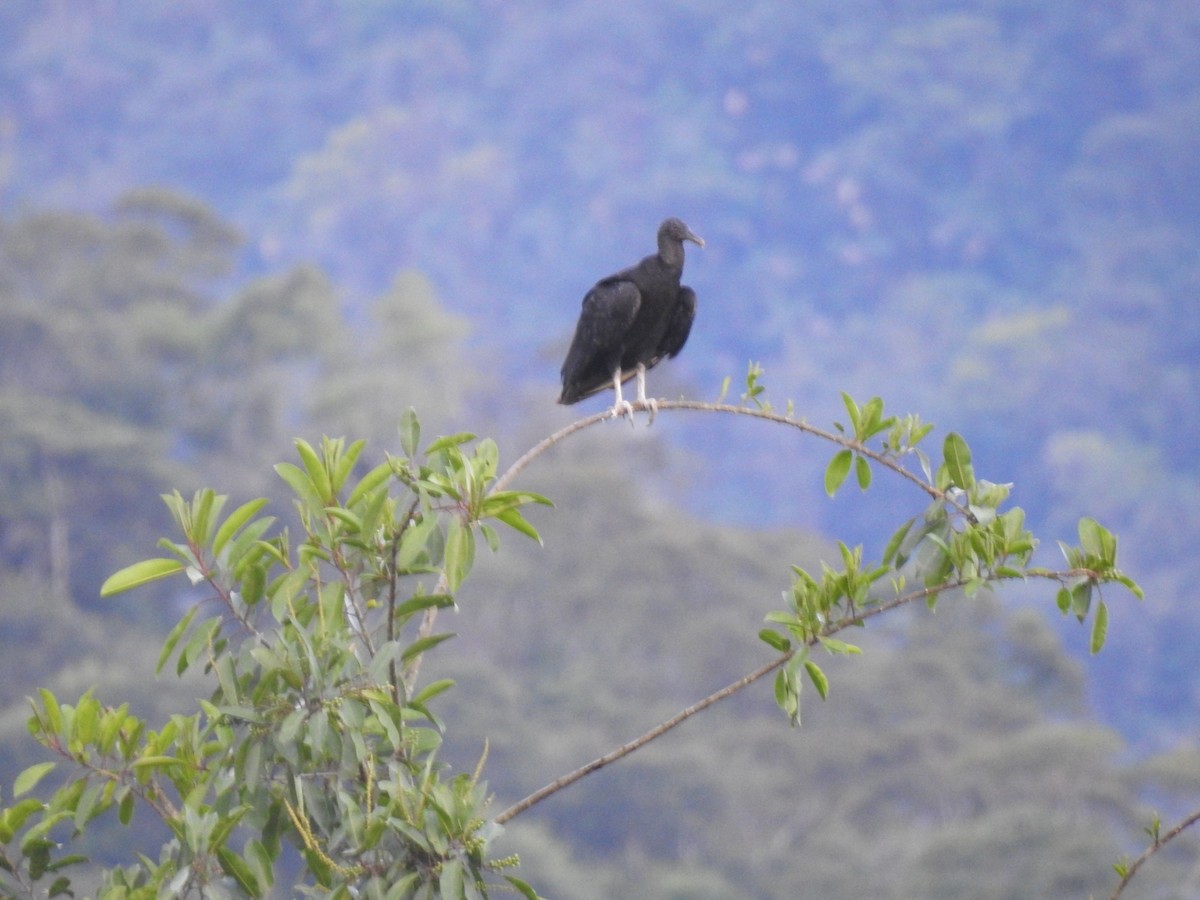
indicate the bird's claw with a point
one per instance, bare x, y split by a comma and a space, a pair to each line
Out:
652, 409
622, 408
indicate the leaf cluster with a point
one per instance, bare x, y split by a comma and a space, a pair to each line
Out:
317, 741
966, 540
316, 744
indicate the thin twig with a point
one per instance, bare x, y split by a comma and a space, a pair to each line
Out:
545, 444
393, 578
884, 459
625, 749
501, 483
426, 629
430, 617
355, 600
1159, 843
745, 681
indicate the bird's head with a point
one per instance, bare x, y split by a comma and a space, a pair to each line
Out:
674, 231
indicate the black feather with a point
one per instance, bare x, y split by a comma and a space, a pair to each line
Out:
638, 316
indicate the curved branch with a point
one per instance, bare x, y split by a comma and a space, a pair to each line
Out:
1159, 843
745, 681
625, 749
501, 483
883, 459
545, 444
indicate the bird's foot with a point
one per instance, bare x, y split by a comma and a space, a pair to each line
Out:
622, 408
651, 406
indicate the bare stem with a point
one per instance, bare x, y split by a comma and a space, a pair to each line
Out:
886, 460
745, 681
545, 444
889, 461
625, 749
425, 630
393, 578
1159, 843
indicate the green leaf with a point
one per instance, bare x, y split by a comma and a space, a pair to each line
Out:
775, 640
13, 817
1011, 572
490, 538
417, 538
1063, 600
432, 689
781, 689
869, 418
460, 553
173, 637
251, 534
373, 479
852, 411
1097, 541
851, 559
125, 808
521, 887
892, 551
343, 462
37, 832
197, 644
417, 647
787, 694
450, 881
833, 645
53, 712
817, 677
1099, 628
237, 868
934, 563
838, 469
155, 762
29, 778
1081, 599
85, 809
259, 859
346, 517
317, 473
301, 485
254, 579
502, 500
449, 440
403, 888
236, 520
138, 574
422, 602
862, 471
206, 505
410, 432
1131, 585
958, 461
513, 519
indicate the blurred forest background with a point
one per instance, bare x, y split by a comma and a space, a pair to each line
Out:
225, 224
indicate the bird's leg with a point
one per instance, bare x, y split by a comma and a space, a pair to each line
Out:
650, 405
621, 406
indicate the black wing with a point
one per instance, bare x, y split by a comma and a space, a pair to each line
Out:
680, 325
608, 310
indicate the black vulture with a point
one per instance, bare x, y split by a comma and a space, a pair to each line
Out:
630, 322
